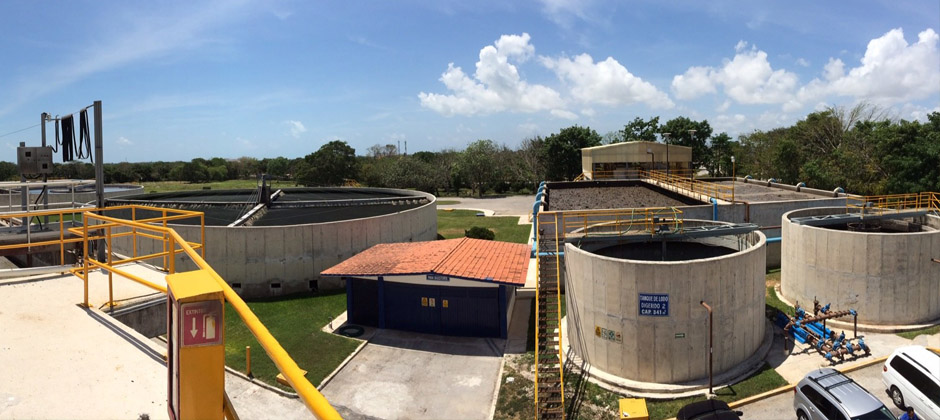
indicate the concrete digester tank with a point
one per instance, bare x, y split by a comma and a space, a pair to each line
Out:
882, 268
281, 245
615, 292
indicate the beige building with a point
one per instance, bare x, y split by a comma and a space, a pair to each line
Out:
619, 160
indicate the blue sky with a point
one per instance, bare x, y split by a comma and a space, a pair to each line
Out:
180, 80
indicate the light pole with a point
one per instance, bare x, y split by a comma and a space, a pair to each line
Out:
709, 345
649, 151
691, 141
666, 140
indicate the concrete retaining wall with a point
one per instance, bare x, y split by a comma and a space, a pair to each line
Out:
278, 260
888, 278
603, 295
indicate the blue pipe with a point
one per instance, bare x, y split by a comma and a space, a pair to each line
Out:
714, 209
773, 240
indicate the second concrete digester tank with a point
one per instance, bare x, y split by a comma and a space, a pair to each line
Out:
881, 268
610, 288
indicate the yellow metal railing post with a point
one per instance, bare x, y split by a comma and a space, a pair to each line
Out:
62, 237
165, 239
202, 242
85, 255
110, 274
134, 231
172, 245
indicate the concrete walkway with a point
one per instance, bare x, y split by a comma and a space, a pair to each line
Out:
514, 205
419, 376
60, 360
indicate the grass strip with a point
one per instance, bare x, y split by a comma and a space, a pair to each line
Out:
295, 322
452, 224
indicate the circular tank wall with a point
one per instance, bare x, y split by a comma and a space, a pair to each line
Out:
884, 271
610, 288
287, 254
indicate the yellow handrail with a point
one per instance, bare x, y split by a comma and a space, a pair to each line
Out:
313, 399
709, 189
880, 204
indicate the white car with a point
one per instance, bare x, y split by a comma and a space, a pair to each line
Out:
912, 378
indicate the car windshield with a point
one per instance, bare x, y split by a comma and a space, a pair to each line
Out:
879, 414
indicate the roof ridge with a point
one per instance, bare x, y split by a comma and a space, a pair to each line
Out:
449, 254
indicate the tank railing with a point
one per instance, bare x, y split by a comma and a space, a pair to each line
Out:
675, 182
893, 203
620, 222
72, 216
175, 244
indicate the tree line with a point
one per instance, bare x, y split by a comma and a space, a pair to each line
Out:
860, 149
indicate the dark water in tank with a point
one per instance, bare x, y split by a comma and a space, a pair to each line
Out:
675, 251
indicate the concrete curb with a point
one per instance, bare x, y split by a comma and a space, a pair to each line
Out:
499, 385
789, 387
486, 213
342, 365
262, 384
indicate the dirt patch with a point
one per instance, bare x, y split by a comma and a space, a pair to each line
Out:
620, 197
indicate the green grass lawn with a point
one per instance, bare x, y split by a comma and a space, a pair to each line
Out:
910, 335
167, 186
774, 302
452, 224
295, 322
762, 381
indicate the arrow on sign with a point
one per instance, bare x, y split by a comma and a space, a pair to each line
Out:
194, 330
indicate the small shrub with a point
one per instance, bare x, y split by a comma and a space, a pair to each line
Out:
478, 232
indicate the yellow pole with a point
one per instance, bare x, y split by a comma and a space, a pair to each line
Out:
110, 275
202, 228
248, 361
165, 265
62, 238
134, 230
85, 254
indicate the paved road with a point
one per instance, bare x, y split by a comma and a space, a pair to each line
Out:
781, 406
418, 376
515, 205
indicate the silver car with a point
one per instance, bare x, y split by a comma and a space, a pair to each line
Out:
827, 394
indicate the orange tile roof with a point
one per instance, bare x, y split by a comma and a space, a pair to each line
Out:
466, 258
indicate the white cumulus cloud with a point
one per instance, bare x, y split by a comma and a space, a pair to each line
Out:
605, 82
124, 141
748, 78
495, 86
891, 71
296, 128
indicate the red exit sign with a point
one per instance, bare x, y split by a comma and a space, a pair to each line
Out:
201, 323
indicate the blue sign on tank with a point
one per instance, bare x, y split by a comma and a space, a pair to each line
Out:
654, 304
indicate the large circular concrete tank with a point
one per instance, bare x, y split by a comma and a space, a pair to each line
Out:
303, 231
882, 270
610, 288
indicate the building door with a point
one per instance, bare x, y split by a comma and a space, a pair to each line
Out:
470, 311
365, 302
412, 307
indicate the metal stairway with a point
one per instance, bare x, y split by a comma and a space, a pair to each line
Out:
549, 364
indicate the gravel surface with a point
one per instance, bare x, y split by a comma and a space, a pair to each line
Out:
755, 192
609, 198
